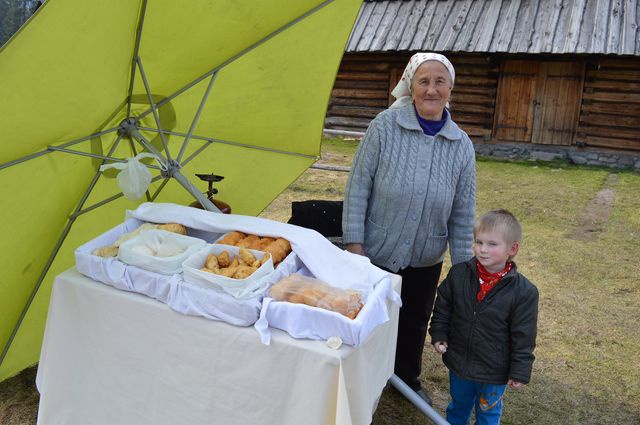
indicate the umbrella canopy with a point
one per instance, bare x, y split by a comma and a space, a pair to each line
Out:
235, 88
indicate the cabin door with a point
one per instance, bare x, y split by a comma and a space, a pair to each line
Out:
538, 102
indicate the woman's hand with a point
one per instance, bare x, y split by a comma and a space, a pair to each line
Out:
516, 385
440, 346
356, 248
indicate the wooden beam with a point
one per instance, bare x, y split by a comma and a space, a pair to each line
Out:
608, 142
612, 97
359, 94
351, 111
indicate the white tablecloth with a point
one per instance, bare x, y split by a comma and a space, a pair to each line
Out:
114, 357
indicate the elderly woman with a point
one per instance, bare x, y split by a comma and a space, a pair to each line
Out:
412, 192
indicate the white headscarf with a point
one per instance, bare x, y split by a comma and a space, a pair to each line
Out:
402, 91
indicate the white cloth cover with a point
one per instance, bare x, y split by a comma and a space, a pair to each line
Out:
303, 321
114, 357
324, 260
169, 289
402, 90
321, 259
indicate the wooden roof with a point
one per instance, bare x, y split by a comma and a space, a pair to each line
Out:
508, 26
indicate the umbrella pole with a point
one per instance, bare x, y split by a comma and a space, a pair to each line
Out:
414, 398
204, 201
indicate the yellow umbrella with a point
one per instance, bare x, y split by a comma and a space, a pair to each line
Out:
235, 88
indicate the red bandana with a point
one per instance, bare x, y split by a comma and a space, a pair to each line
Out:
489, 280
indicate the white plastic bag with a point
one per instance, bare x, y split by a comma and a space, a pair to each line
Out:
134, 178
159, 251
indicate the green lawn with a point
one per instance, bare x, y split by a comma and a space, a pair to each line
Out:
580, 254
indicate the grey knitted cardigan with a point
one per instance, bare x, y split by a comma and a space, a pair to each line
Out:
409, 194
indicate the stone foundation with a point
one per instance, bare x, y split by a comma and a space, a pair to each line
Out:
570, 154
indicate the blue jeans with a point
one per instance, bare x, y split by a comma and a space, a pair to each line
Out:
465, 395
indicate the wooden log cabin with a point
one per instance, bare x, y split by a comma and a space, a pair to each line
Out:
545, 72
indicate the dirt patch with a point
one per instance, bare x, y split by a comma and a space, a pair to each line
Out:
596, 214
19, 399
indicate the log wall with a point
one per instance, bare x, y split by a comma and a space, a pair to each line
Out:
610, 111
364, 82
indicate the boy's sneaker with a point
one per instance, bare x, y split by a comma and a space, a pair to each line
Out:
423, 395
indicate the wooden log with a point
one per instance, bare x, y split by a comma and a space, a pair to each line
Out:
611, 108
471, 108
351, 111
330, 122
605, 63
609, 142
481, 90
612, 97
362, 76
617, 75
472, 98
630, 121
476, 131
618, 132
481, 120
476, 80
347, 101
364, 66
351, 84
331, 167
367, 94
631, 86
347, 128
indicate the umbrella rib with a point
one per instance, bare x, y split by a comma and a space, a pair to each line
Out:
236, 56
49, 150
196, 153
135, 54
107, 200
154, 109
51, 258
197, 116
93, 155
157, 192
242, 145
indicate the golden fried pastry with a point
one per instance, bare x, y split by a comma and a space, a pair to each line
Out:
232, 238
247, 257
229, 271
265, 258
264, 242
223, 259
243, 272
277, 253
212, 262
208, 270
106, 251
284, 244
300, 289
248, 241
173, 227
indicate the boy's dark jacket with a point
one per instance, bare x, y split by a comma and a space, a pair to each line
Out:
490, 341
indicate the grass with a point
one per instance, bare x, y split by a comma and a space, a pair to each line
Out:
587, 369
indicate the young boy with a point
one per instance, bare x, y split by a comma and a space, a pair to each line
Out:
484, 322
